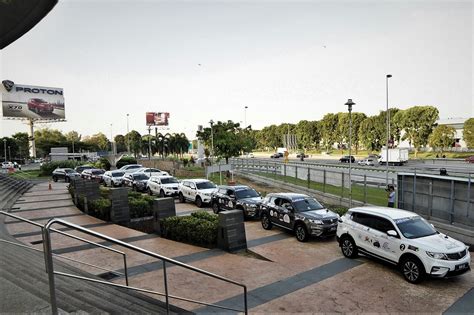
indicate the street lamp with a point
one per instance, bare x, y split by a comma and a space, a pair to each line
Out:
111, 139
9, 153
128, 138
212, 139
5, 148
349, 107
388, 131
245, 116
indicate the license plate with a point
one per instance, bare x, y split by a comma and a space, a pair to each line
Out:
462, 266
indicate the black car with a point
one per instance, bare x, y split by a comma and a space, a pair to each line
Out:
299, 213
276, 155
81, 168
67, 174
301, 155
346, 158
94, 174
138, 181
237, 197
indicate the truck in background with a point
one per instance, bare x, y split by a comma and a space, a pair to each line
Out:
395, 156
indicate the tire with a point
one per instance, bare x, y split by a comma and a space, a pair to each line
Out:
198, 202
301, 233
348, 247
149, 191
55, 179
181, 198
215, 207
266, 223
67, 179
162, 194
412, 269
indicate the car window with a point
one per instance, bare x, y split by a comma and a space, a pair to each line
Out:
383, 225
306, 204
118, 174
205, 185
414, 227
246, 193
364, 219
169, 180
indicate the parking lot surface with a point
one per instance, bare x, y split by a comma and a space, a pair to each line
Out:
282, 274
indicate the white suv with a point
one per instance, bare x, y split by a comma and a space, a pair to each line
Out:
402, 238
196, 190
164, 186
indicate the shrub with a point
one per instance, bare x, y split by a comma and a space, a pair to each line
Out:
185, 162
100, 208
338, 209
104, 192
126, 160
192, 161
102, 163
134, 194
139, 208
48, 168
200, 228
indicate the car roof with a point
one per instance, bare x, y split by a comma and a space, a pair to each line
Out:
236, 187
289, 195
196, 180
163, 176
392, 213
117, 171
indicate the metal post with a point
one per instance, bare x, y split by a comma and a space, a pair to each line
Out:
349, 104
128, 137
5, 148
414, 192
32, 138
468, 206
365, 188
451, 212
296, 172
430, 199
165, 279
342, 184
324, 181
245, 301
388, 130
149, 142
284, 172
48, 260
275, 170
125, 268
309, 177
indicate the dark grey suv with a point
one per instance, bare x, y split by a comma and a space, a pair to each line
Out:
67, 174
299, 213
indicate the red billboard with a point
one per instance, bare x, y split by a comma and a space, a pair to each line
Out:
157, 119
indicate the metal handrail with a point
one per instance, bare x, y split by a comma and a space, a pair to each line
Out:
63, 257
51, 272
74, 237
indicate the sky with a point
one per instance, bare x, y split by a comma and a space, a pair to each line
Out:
201, 60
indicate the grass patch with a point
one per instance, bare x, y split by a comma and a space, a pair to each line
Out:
31, 174
371, 195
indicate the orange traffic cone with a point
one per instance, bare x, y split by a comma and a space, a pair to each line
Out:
49, 186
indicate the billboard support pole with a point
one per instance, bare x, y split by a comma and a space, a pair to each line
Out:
149, 142
32, 135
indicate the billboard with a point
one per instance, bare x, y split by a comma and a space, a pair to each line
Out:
33, 102
157, 119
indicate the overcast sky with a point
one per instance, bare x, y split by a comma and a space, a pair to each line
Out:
202, 60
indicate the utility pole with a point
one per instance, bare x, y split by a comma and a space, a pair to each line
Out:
388, 131
128, 138
349, 104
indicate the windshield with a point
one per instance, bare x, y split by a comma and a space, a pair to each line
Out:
415, 227
140, 176
118, 174
170, 180
307, 204
205, 185
247, 193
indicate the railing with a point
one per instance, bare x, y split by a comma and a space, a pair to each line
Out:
125, 274
50, 269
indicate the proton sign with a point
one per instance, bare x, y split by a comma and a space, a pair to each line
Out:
33, 102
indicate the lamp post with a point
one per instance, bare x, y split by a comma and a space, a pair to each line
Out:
149, 142
388, 130
349, 107
245, 116
111, 139
212, 139
5, 148
128, 138
9, 153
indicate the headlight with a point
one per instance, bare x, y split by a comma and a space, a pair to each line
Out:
437, 255
315, 221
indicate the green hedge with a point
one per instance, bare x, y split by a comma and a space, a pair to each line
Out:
48, 168
100, 208
140, 205
126, 160
338, 209
199, 228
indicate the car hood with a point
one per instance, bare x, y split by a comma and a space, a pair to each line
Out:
318, 214
170, 185
438, 243
253, 200
208, 191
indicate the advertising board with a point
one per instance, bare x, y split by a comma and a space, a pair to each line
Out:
157, 119
33, 102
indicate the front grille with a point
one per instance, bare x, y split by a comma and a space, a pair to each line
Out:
457, 256
330, 221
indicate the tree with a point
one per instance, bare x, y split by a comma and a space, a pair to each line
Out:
329, 130
418, 123
135, 142
442, 137
308, 134
99, 141
227, 139
120, 143
371, 133
343, 127
468, 132
22, 143
47, 138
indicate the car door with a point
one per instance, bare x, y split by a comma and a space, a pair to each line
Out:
184, 189
192, 191
363, 230
281, 213
220, 198
388, 247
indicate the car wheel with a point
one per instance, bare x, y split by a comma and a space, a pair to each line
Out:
215, 208
67, 179
412, 269
162, 194
181, 198
266, 223
55, 179
301, 233
348, 247
199, 202
149, 191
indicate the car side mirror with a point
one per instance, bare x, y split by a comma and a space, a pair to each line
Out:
392, 233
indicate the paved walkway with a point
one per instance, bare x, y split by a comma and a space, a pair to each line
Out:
282, 274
